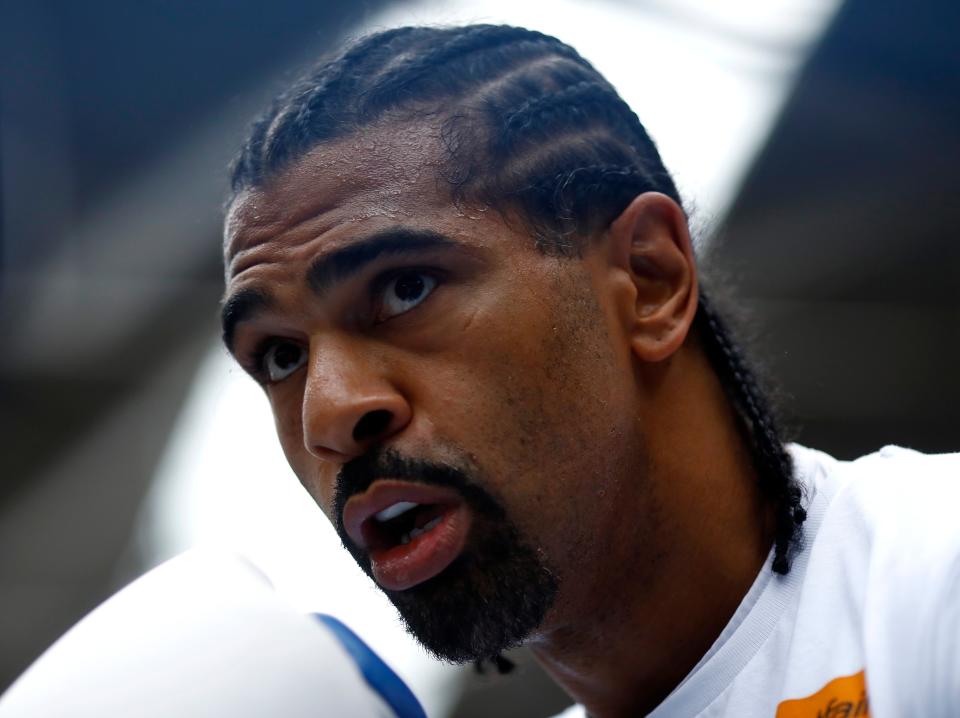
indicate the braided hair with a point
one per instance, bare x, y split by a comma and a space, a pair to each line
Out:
527, 124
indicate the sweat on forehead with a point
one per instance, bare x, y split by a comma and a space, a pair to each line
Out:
375, 168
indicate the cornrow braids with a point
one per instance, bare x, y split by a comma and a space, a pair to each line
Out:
578, 103
410, 79
338, 77
531, 127
564, 199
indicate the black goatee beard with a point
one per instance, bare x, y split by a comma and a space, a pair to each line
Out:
491, 598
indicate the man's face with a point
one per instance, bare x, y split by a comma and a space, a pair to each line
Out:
460, 405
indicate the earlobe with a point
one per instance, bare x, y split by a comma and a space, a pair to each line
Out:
650, 243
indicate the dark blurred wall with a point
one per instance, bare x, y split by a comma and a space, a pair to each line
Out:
844, 237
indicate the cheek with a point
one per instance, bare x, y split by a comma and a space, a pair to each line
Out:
565, 425
288, 419
543, 404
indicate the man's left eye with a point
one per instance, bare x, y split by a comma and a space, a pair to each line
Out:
403, 292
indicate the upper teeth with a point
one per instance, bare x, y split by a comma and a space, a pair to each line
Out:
391, 512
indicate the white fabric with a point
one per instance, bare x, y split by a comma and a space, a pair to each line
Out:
876, 589
202, 636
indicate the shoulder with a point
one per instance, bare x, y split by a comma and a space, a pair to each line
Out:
894, 489
892, 462
890, 533
893, 512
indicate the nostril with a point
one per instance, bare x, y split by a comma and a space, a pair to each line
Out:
372, 424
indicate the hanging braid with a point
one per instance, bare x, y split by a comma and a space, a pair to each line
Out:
528, 125
770, 457
502, 665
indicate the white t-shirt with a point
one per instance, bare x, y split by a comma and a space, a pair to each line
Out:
867, 622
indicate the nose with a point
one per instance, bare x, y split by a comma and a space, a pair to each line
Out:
349, 405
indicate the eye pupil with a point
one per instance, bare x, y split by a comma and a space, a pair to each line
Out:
404, 291
286, 355
409, 287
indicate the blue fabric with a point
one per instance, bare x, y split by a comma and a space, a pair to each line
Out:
377, 673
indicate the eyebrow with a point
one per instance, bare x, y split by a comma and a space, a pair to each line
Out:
340, 264
241, 307
333, 267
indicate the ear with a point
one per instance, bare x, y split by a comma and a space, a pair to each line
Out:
650, 246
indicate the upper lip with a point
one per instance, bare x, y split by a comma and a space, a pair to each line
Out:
382, 494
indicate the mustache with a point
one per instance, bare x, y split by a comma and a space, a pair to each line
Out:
358, 474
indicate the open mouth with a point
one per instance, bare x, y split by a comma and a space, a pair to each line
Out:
411, 532
401, 522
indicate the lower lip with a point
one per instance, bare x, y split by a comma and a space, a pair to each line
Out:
403, 566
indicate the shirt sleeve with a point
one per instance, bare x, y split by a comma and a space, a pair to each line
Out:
943, 642
912, 616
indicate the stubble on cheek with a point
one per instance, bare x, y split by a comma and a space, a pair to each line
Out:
562, 431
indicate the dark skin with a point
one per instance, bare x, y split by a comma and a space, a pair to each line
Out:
575, 385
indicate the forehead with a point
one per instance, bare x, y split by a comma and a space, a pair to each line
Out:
382, 172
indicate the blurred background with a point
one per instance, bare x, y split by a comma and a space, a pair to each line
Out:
816, 141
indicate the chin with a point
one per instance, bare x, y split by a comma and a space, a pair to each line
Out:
491, 599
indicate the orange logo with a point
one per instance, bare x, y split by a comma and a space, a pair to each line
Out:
841, 698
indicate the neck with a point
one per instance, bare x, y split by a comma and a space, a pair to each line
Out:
659, 603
